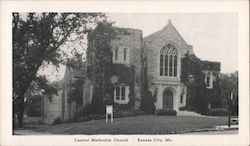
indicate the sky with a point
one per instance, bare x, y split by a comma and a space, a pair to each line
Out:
214, 36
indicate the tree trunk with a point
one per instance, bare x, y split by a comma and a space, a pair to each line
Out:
13, 117
20, 118
19, 101
20, 110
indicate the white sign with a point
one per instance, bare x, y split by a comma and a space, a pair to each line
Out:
109, 111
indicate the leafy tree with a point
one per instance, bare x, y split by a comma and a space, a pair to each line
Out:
229, 84
147, 103
33, 107
147, 99
198, 96
100, 59
37, 39
216, 94
192, 76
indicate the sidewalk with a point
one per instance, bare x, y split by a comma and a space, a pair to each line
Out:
223, 132
224, 129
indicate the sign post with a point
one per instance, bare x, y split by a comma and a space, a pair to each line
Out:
229, 111
109, 111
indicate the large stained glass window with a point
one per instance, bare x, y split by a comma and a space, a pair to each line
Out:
168, 61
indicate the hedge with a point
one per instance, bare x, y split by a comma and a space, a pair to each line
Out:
117, 114
217, 112
165, 112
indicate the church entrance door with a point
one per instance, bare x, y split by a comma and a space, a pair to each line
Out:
168, 99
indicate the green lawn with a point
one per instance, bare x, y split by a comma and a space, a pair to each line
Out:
148, 124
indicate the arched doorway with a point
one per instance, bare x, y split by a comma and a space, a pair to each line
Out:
168, 99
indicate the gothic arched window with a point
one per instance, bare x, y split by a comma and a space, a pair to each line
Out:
168, 61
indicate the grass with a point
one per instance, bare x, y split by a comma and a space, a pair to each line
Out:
147, 124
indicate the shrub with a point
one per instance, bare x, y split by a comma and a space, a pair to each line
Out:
34, 112
33, 108
57, 121
165, 112
147, 103
87, 109
217, 112
138, 112
108, 101
92, 117
183, 108
121, 107
117, 114
82, 112
127, 113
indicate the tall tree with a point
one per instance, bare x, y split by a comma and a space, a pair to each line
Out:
229, 84
198, 95
37, 38
100, 63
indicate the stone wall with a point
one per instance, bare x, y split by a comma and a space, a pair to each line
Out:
68, 104
153, 44
52, 108
132, 40
87, 92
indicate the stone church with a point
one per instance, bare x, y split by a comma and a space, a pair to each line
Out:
155, 61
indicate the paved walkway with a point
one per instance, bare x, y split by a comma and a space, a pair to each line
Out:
217, 130
223, 132
225, 127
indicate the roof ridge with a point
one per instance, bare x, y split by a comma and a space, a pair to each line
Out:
169, 24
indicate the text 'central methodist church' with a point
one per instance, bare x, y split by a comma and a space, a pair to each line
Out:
155, 60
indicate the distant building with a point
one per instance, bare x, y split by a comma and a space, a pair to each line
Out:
155, 60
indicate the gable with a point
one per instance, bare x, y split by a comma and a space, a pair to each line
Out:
166, 35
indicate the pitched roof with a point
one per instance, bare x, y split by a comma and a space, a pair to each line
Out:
210, 65
169, 28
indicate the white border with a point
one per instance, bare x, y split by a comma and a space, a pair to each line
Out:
7, 7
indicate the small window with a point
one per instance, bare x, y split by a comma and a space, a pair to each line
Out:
170, 65
181, 99
125, 54
208, 80
123, 93
117, 90
175, 66
116, 53
155, 94
166, 65
161, 65
182, 96
121, 55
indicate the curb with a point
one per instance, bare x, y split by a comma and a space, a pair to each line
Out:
205, 130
